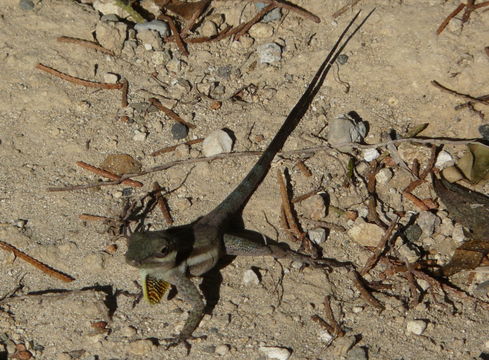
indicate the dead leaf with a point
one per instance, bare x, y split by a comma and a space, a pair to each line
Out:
186, 10
475, 163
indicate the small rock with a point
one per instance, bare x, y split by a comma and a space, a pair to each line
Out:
180, 204
274, 15
427, 221
261, 31
139, 135
111, 78
345, 129
444, 159
416, 327
370, 154
343, 344
357, 353
175, 65
384, 176
269, 53
108, 7
409, 152
325, 337
217, 142
357, 309
250, 277
128, 331
484, 131
409, 253
121, 164
225, 71
94, 262
413, 233
278, 353
458, 233
366, 234
157, 25
161, 57
246, 42
150, 39
208, 29
314, 207
452, 174
26, 5
111, 35
222, 349
342, 59
141, 347
317, 236
179, 131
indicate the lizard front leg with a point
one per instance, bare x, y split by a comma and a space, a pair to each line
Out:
242, 245
187, 289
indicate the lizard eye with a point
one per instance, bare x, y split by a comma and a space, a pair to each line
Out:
163, 252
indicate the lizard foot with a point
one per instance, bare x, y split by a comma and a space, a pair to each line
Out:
183, 340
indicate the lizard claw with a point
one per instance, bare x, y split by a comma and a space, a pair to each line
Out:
183, 340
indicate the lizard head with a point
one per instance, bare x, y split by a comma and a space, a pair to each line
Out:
151, 249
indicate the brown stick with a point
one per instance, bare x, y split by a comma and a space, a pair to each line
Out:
36, 263
303, 168
155, 102
287, 207
108, 174
338, 331
293, 8
176, 34
453, 92
317, 319
173, 147
78, 81
88, 217
125, 89
345, 8
85, 43
254, 20
445, 22
358, 281
160, 200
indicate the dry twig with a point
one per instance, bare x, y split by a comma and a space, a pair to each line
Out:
108, 174
173, 147
85, 43
168, 112
161, 202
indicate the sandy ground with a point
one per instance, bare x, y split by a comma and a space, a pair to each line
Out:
48, 124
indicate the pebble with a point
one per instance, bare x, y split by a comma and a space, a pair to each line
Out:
250, 277
121, 164
314, 207
217, 142
179, 131
366, 234
357, 353
157, 25
269, 53
408, 253
342, 59
150, 39
108, 8
208, 28
458, 233
452, 174
278, 353
26, 5
444, 159
261, 31
384, 176
344, 129
222, 349
274, 15
111, 78
139, 135
317, 236
484, 131
111, 35
325, 337
427, 221
161, 57
370, 154
413, 233
141, 347
416, 327
128, 331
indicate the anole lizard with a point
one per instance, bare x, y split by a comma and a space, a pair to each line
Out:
171, 256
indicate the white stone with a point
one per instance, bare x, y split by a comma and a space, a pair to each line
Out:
269, 53
272, 352
139, 135
314, 207
111, 78
111, 35
383, 176
261, 31
208, 28
416, 327
222, 349
317, 236
157, 25
408, 253
458, 233
217, 142
357, 309
370, 154
366, 234
107, 7
150, 39
427, 221
250, 277
444, 159
325, 337
128, 331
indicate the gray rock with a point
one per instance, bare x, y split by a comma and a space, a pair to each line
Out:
26, 5
269, 53
217, 142
274, 15
179, 131
357, 353
344, 129
342, 59
427, 221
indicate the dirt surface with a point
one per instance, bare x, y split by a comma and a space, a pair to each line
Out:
48, 124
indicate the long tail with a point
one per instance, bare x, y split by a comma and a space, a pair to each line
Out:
240, 195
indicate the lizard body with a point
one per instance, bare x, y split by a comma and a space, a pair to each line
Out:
172, 255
